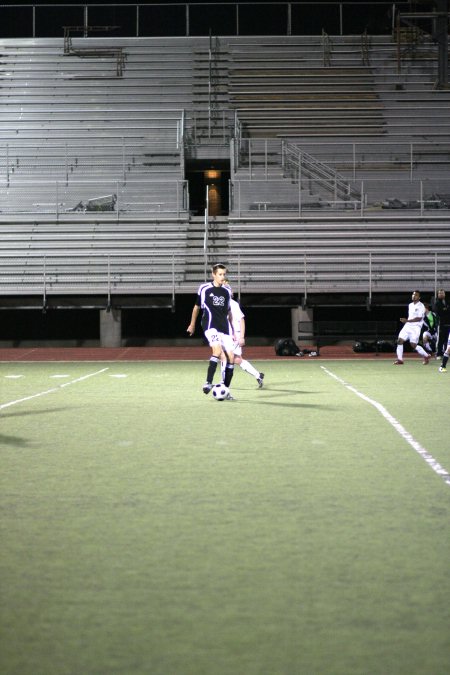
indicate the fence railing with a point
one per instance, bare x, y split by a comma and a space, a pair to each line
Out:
265, 198
109, 199
258, 156
193, 19
40, 273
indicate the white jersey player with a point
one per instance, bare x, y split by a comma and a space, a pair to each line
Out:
411, 330
238, 326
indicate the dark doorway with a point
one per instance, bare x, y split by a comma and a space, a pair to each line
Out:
211, 174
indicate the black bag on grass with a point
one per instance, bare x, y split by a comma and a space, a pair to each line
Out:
286, 347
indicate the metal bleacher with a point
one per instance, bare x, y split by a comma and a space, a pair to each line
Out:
94, 197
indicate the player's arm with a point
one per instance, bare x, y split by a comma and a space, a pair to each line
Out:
195, 313
242, 335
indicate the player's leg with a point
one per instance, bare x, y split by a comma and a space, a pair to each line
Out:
251, 370
426, 338
214, 342
227, 346
443, 366
400, 343
420, 350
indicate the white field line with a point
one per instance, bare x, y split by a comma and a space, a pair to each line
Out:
423, 452
51, 391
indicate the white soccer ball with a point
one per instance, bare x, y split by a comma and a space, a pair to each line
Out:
220, 392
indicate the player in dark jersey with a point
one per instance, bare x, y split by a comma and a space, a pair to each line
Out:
214, 299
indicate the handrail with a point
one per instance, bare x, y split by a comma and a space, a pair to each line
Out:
326, 48
310, 167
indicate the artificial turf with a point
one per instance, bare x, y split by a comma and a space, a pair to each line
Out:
148, 529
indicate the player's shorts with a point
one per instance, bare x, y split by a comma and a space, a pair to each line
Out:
411, 332
214, 337
237, 349
430, 336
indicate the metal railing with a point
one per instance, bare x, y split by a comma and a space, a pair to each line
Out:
300, 197
106, 199
188, 19
262, 157
72, 160
42, 273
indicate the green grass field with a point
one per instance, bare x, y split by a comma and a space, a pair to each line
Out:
148, 529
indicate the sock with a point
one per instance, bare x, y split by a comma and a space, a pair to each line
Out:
245, 365
400, 352
213, 361
421, 351
229, 370
444, 360
223, 365
428, 348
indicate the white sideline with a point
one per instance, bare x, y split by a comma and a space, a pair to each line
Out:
429, 459
51, 391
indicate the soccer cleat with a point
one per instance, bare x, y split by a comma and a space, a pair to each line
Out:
229, 397
207, 387
398, 363
260, 380
426, 360
442, 369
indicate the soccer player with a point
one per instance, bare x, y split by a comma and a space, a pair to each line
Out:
214, 299
443, 366
411, 330
430, 326
442, 309
238, 325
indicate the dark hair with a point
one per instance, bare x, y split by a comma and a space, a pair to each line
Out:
218, 266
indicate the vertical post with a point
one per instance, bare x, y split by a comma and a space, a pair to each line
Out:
362, 197
411, 162
421, 198
299, 183
108, 268
86, 21
341, 20
34, 21
370, 277
123, 159
305, 272
209, 85
117, 201
435, 274
239, 198
354, 161
173, 282
265, 158
44, 282
66, 164
299, 196
56, 201
187, 20
7, 165
237, 18
249, 157
239, 277
289, 18
205, 235
137, 20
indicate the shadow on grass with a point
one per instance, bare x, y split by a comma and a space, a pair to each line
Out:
14, 441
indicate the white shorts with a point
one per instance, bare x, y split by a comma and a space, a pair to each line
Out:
237, 349
214, 337
411, 332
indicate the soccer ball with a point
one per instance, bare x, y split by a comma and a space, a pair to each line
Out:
220, 392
